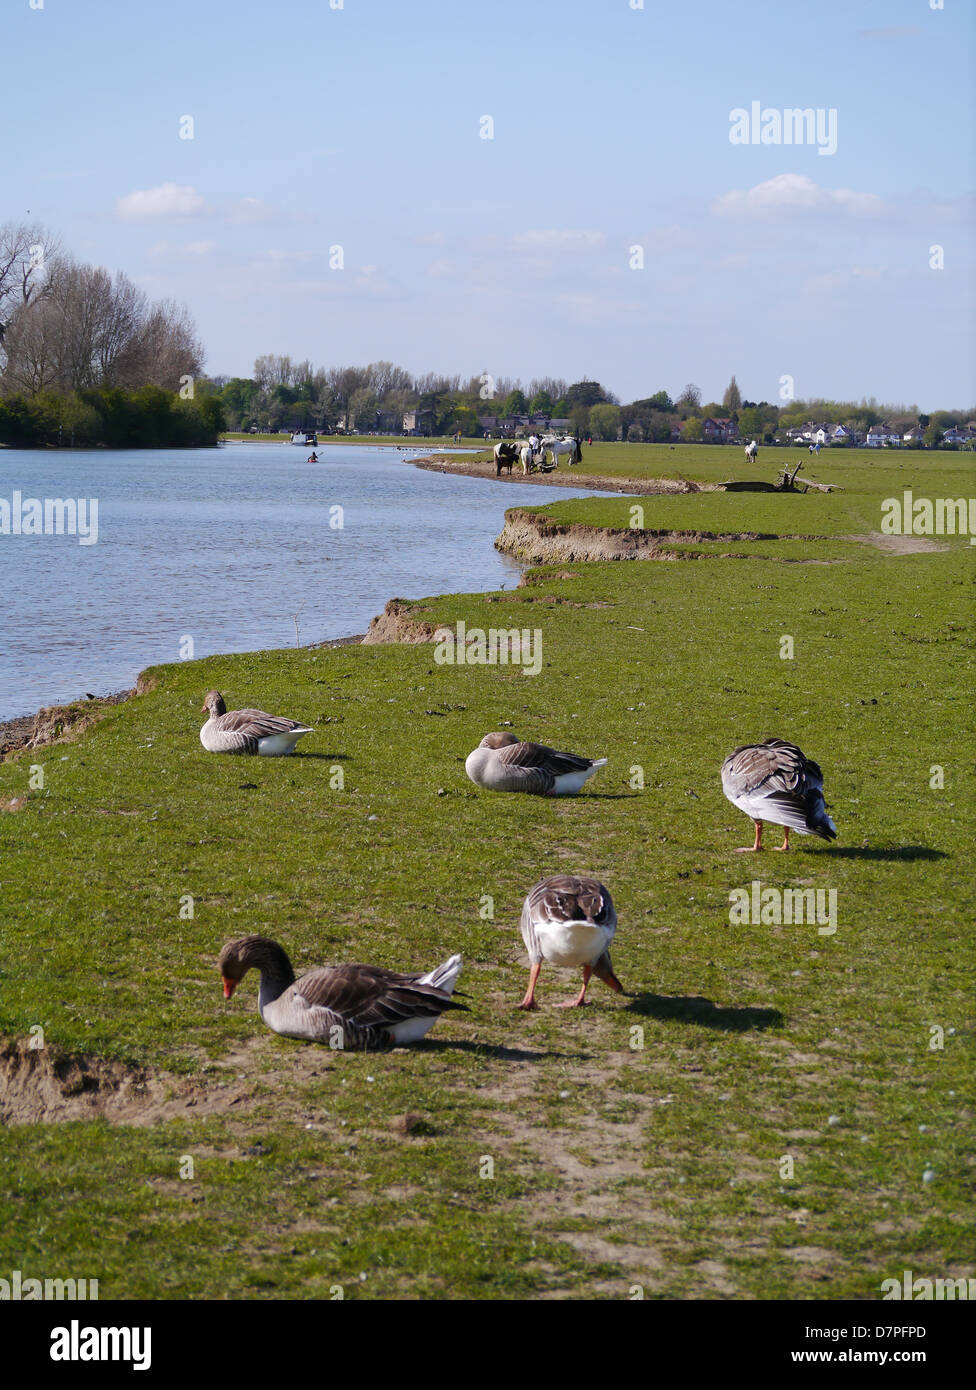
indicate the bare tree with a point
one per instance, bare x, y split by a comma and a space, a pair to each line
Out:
27, 254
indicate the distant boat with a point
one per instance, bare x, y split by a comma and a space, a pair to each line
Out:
305, 437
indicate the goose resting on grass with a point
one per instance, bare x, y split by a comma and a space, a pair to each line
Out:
774, 781
501, 763
348, 1006
248, 730
569, 921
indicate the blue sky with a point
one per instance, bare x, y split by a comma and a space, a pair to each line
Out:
360, 127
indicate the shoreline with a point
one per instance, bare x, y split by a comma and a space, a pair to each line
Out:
33, 730
43, 727
468, 467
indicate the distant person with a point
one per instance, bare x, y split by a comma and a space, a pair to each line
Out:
313, 457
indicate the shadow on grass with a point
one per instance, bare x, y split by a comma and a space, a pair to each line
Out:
903, 854
694, 1008
495, 1050
328, 757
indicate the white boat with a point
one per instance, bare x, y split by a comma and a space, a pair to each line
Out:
304, 437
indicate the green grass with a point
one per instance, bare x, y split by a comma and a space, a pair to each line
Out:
638, 1141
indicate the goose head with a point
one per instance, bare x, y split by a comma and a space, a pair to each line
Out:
238, 957
498, 740
213, 703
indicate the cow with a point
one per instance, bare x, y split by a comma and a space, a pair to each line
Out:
506, 453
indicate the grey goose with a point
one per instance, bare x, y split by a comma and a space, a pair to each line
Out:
248, 730
569, 921
355, 1007
776, 782
503, 763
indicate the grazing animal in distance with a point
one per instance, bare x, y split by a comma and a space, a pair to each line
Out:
776, 782
248, 730
348, 1006
752, 451
503, 763
570, 922
506, 452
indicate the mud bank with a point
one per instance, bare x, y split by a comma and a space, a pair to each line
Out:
574, 476
537, 540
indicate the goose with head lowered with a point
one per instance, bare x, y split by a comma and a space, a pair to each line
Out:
355, 1007
775, 781
248, 730
569, 921
503, 763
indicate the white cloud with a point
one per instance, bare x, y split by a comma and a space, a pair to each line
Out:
199, 248
167, 201
788, 194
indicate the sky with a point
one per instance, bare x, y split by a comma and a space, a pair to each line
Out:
527, 188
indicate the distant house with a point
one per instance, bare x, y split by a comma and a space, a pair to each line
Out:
914, 436
719, 431
417, 421
882, 437
954, 435
560, 426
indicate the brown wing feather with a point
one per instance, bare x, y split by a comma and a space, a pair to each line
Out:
368, 996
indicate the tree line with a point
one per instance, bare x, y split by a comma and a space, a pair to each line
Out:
286, 394
86, 357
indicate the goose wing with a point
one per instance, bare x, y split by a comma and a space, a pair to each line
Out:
776, 772
244, 728
367, 998
565, 898
539, 764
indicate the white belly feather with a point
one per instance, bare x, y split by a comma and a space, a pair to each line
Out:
572, 944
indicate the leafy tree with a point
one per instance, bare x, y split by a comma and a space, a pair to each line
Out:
541, 403
691, 430
587, 393
515, 404
732, 400
604, 421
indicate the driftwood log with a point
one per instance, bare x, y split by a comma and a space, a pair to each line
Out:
786, 482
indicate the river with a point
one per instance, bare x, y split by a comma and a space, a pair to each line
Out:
228, 547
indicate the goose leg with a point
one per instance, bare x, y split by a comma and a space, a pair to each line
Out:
786, 839
750, 849
529, 1001
580, 999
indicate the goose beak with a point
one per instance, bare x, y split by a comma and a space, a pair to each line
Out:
229, 985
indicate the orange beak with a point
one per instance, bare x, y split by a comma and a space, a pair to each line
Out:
229, 985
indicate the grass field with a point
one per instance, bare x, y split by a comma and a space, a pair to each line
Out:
770, 1112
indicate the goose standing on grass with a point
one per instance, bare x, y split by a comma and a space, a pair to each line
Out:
248, 730
569, 922
774, 781
358, 1007
501, 763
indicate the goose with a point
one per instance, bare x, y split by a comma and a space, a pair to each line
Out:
348, 1006
248, 730
569, 921
502, 763
774, 781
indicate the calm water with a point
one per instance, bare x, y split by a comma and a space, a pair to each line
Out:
224, 545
